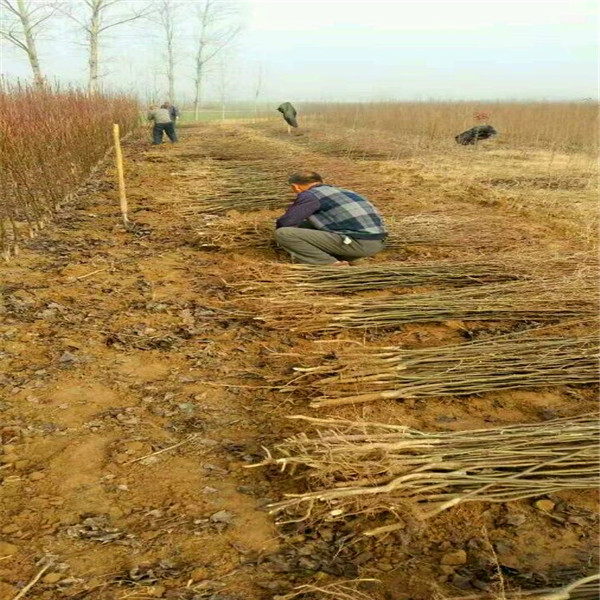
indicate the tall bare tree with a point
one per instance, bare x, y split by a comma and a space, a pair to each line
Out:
223, 84
96, 17
258, 90
216, 32
166, 11
21, 23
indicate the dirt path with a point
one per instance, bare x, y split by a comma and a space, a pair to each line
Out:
134, 392
119, 424
110, 356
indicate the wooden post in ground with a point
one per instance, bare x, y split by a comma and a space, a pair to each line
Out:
120, 174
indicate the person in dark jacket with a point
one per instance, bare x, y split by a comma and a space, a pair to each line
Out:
162, 124
473, 135
327, 225
173, 111
289, 114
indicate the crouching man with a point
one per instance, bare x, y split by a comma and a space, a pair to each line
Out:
327, 225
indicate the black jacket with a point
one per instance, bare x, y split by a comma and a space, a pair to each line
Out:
289, 114
473, 135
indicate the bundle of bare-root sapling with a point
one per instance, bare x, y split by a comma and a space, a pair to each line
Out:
428, 230
379, 276
585, 588
235, 231
450, 230
355, 467
238, 188
242, 199
507, 362
539, 300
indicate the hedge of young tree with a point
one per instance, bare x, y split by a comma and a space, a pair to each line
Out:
50, 142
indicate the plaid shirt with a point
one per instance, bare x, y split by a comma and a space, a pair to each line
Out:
336, 210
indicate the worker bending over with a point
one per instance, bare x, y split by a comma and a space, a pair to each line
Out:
327, 225
162, 124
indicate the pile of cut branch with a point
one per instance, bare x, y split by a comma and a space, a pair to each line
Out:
358, 467
545, 300
510, 362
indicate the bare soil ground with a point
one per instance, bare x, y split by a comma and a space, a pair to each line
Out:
138, 388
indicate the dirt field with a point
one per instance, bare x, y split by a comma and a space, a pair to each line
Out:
139, 385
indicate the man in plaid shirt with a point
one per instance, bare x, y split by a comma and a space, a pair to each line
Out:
327, 225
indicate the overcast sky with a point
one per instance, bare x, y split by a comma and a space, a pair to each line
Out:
329, 50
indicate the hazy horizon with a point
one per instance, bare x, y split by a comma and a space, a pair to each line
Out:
354, 51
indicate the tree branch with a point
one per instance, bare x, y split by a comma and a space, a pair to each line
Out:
10, 37
222, 45
121, 22
10, 7
44, 18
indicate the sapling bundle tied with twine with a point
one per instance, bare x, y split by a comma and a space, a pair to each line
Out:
508, 362
542, 299
371, 468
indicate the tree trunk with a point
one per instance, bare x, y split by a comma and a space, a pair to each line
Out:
30, 43
168, 23
198, 82
93, 34
197, 99
257, 93
93, 65
171, 76
206, 14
